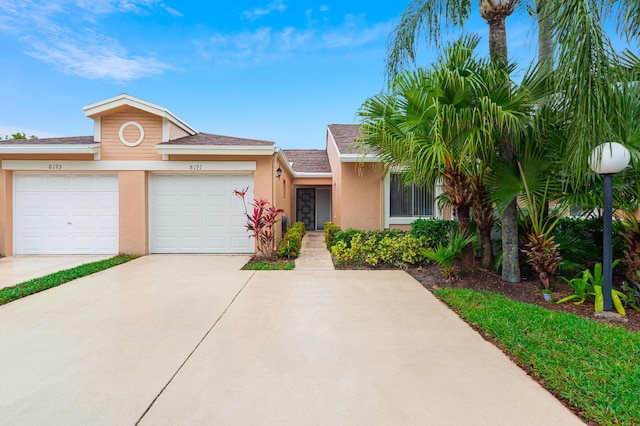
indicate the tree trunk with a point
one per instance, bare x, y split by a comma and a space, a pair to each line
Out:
464, 226
545, 36
495, 13
486, 261
510, 261
498, 40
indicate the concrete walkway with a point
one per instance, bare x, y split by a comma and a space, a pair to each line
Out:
194, 340
314, 255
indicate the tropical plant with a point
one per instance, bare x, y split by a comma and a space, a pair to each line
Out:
330, 230
444, 255
541, 249
439, 125
632, 290
260, 223
588, 287
587, 74
631, 236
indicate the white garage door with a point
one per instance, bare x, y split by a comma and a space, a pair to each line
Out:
65, 213
198, 213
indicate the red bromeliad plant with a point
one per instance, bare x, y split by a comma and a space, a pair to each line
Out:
260, 222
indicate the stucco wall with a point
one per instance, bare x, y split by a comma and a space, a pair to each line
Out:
361, 196
176, 132
133, 212
113, 149
6, 213
336, 175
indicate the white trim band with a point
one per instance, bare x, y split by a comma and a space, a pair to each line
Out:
106, 165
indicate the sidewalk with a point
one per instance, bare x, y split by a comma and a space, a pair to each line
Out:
314, 255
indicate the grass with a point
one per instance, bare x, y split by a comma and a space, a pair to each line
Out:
271, 266
9, 294
594, 366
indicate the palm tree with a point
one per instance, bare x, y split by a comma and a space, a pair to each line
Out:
437, 124
583, 55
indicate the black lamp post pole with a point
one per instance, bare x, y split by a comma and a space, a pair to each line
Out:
607, 230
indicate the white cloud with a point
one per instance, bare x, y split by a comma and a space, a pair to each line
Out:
87, 54
266, 43
274, 6
77, 50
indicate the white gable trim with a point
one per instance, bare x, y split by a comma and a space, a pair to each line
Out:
98, 108
50, 149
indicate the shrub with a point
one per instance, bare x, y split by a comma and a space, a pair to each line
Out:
378, 248
435, 232
291, 243
299, 227
330, 230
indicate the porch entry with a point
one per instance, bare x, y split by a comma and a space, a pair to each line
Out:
313, 207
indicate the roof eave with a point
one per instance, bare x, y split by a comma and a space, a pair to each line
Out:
214, 150
359, 158
50, 148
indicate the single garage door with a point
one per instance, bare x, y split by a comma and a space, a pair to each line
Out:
198, 213
65, 213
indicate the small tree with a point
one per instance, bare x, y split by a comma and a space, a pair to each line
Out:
260, 222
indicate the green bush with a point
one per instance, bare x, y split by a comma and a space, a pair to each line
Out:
435, 232
291, 243
330, 230
299, 228
347, 235
378, 248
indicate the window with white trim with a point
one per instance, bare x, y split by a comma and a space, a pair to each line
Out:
404, 204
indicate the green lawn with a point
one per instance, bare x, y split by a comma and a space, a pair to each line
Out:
36, 285
593, 366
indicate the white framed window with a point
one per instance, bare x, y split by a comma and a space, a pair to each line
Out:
404, 204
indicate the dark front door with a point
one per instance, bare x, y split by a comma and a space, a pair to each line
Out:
306, 207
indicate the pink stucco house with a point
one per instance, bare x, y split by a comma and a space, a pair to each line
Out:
147, 182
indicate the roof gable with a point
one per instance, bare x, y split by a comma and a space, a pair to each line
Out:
117, 102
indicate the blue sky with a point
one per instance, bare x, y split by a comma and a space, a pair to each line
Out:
276, 70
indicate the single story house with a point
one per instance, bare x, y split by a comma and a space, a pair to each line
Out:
147, 182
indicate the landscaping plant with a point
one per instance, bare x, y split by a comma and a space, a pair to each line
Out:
541, 249
260, 222
630, 234
330, 230
291, 243
444, 255
588, 287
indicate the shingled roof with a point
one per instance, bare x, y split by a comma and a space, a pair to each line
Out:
73, 140
345, 136
210, 139
308, 160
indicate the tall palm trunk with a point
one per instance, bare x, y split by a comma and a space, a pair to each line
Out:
495, 12
464, 224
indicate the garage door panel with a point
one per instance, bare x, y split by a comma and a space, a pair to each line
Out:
202, 215
66, 213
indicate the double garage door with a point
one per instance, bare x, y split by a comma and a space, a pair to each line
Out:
77, 213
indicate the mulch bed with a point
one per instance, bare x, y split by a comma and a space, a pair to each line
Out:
526, 291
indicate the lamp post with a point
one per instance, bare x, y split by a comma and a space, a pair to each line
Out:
608, 159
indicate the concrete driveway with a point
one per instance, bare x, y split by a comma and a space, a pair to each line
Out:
17, 269
193, 340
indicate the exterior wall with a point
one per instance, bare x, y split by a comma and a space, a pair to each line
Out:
284, 198
361, 199
336, 188
176, 132
113, 149
6, 213
133, 214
